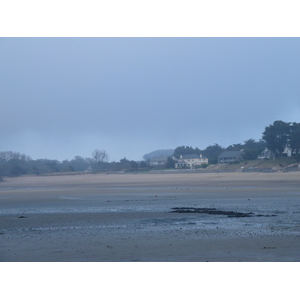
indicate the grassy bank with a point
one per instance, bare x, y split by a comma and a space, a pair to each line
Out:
279, 163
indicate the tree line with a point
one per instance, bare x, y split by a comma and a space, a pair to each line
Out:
251, 149
16, 164
276, 137
280, 135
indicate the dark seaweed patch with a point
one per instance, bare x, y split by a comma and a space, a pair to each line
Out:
214, 211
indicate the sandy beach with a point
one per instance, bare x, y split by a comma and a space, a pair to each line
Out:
131, 217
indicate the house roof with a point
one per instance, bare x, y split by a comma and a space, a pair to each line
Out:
159, 158
266, 151
230, 154
189, 156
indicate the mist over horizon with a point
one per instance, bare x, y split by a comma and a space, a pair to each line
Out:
66, 97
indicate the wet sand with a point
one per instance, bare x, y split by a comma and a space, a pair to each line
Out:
127, 217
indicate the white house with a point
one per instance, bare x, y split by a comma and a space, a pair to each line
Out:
191, 161
269, 154
287, 151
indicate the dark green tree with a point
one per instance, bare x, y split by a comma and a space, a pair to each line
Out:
250, 154
52, 165
235, 147
134, 165
125, 164
212, 152
184, 150
294, 140
17, 170
252, 149
251, 144
170, 163
79, 163
143, 164
124, 160
276, 136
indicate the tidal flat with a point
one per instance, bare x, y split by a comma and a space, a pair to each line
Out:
227, 217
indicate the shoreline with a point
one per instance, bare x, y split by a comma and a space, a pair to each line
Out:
127, 217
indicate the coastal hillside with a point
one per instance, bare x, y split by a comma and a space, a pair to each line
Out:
157, 153
279, 163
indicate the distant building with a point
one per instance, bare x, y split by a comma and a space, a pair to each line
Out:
158, 161
287, 151
230, 156
266, 154
191, 161
89, 169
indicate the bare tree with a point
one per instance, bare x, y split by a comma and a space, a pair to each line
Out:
10, 155
100, 156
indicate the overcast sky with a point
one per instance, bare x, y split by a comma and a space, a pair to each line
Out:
62, 97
